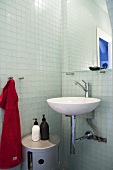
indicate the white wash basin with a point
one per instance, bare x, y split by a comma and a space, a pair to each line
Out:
73, 105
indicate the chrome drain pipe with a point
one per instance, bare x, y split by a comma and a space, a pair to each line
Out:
73, 135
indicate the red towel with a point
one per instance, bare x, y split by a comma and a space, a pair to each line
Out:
10, 144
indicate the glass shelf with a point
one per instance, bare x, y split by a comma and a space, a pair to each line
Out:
88, 71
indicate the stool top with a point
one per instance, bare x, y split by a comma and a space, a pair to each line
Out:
41, 144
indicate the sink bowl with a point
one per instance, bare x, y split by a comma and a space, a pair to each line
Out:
73, 105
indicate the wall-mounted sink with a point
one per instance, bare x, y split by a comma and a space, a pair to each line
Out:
73, 105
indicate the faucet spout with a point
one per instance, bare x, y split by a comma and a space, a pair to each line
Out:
80, 85
86, 88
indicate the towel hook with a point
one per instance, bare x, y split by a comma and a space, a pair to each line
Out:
10, 77
20, 78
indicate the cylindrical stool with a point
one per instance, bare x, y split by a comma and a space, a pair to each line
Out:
41, 155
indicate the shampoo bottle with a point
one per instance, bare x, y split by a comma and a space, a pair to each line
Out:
35, 131
44, 129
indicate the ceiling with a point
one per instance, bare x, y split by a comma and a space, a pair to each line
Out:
102, 4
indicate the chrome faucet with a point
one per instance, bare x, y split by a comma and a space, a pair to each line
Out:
86, 88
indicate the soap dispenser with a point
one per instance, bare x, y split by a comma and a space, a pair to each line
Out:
44, 129
35, 131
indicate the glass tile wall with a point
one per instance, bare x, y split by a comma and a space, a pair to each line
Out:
82, 19
30, 46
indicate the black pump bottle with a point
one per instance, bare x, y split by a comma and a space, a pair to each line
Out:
44, 129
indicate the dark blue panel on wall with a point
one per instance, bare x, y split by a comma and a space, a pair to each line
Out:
104, 58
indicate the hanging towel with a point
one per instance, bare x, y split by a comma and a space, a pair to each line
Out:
10, 142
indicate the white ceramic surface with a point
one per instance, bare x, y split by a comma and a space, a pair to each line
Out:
73, 105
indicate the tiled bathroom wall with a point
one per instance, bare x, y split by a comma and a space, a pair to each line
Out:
30, 46
90, 154
110, 10
82, 19
33, 46
109, 4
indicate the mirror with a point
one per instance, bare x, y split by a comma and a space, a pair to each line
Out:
83, 18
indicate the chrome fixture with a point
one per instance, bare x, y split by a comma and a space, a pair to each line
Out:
69, 74
73, 135
10, 77
96, 134
20, 78
88, 135
86, 88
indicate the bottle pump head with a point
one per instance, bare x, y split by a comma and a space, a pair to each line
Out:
43, 119
35, 123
